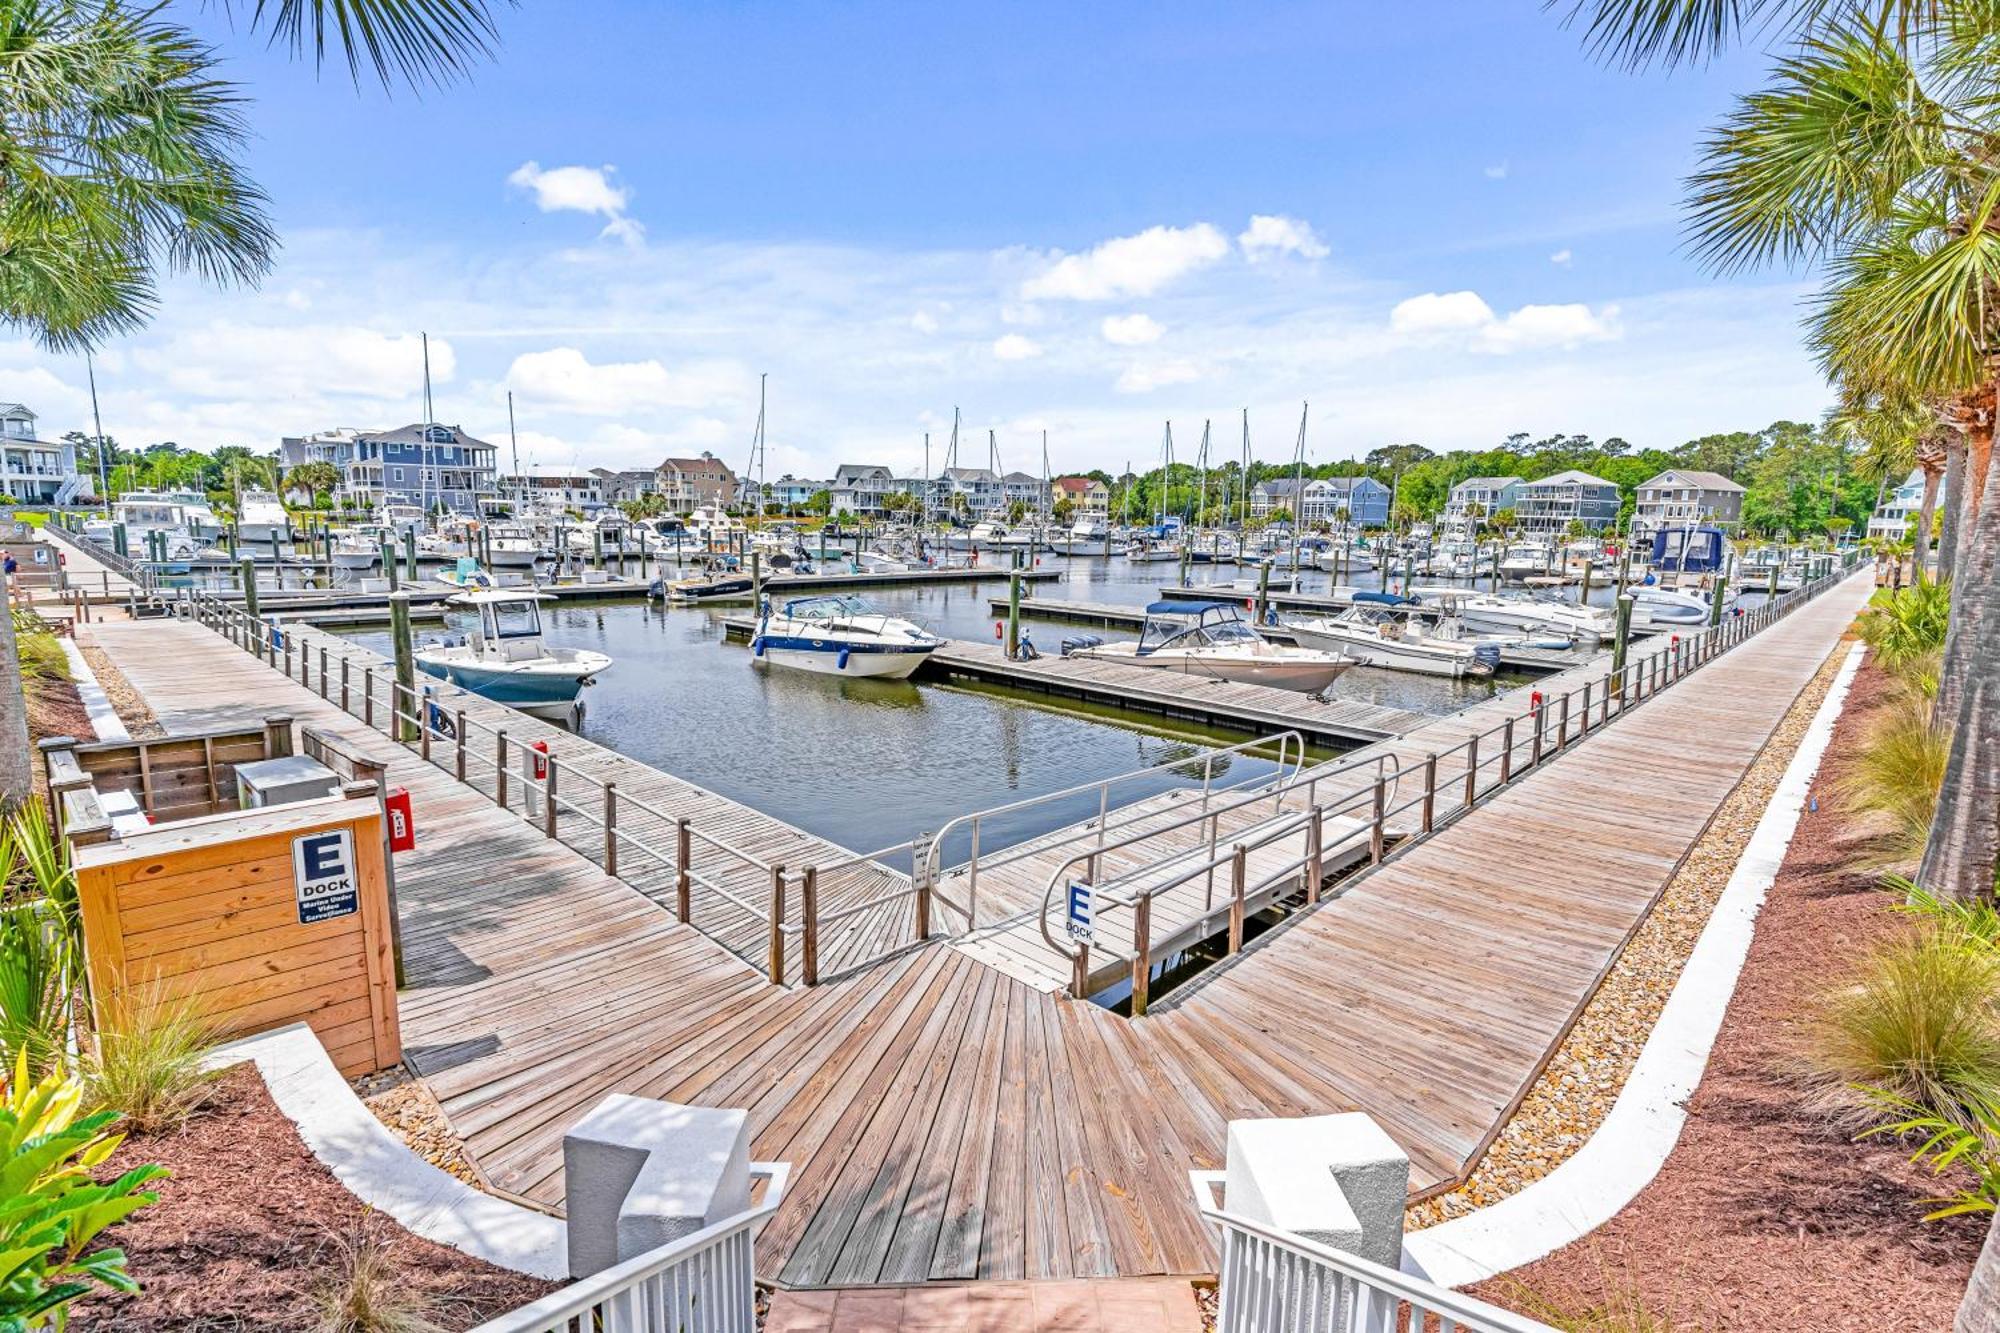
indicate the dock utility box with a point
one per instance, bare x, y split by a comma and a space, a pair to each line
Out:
282, 781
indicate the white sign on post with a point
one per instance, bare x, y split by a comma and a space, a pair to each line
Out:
1079, 920
324, 877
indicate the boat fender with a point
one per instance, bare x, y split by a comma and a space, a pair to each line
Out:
757, 646
999, 630
842, 663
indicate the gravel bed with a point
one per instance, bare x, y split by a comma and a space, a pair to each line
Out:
1576, 1091
128, 703
403, 1102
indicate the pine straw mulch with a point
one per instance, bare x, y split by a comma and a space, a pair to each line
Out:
1767, 1214
251, 1223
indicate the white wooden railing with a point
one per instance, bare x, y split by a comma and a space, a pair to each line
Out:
702, 1283
1273, 1280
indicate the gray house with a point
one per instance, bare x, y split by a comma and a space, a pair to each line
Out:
1681, 496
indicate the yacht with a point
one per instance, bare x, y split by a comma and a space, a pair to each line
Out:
1346, 558
720, 578
175, 516
1087, 529
402, 518
510, 546
841, 636
1142, 551
1211, 639
261, 518
504, 659
1524, 560
1379, 631
359, 548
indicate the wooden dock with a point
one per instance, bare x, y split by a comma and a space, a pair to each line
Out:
945, 1120
1131, 619
1256, 709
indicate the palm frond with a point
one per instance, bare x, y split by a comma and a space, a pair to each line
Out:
1639, 33
416, 42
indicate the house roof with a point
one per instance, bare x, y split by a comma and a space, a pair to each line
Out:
1278, 486
414, 434
861, 472
969, 474
714, 467
1019, 478
1571, 477
1707, 481
1076, 485
14, 410
1489, 483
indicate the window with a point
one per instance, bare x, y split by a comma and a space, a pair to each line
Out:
396, 474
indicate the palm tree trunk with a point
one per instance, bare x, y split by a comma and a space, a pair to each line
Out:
1964, 845
1981, 1311
1954, 488
1976, 414
1920, 539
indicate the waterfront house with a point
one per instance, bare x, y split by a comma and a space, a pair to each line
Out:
34, 470
860, 488
1899, 508
617, 487
1091, 497
789, 492
553, 492
689, 482
1550, 505
1276, 493
424, 465
1365, 499
1491, 494
984, 491
1024, 488
1680, 497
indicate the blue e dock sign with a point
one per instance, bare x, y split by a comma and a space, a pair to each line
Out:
323, 874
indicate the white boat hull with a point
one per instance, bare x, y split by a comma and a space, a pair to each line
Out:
1371, 651
871, 665
1307, 677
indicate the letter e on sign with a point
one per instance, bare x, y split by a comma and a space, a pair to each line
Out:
323, 875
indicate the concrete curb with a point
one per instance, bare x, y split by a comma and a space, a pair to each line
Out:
1629, 1148
381, 1170
104, 719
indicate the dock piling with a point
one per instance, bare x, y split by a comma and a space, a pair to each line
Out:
389, 566
1239, 870
248, 573
809, 916
684, 870
406, 661
775, 965
1142, 953
1013, 615
1621, 642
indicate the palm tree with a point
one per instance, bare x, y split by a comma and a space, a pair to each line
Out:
1871, 150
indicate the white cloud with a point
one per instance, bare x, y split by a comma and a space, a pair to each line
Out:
1129, 265
1025, 315
1015, 347
227, 357
1466, 314
563, 378
581, 190
1497, 172
1131, 330
1271, 235
1144, 378
1560, 258
924, 322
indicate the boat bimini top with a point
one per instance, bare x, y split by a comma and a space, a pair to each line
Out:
1193, 625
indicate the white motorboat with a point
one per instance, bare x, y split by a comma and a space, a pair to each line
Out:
505, 659
1661, 610
1525, 560
1380, 631
1211, 639
261, 518
465, 575
1496, 613
1086, 529
1346, 559
358, 548
841, 636
509, 546
165, 517
1141, 551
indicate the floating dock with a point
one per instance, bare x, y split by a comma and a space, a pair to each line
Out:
1108, 615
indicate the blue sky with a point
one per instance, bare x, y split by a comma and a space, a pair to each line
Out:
1443, 223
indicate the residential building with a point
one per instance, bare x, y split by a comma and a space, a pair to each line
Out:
1091, 497
1489, 493
1365, 499
984, 491
423, 465
690, 482
553, 492
34, 470
1680, 496
1023, 488
1550, 505
860, 488
1899, 509
1276, 493
617, 487
790, 492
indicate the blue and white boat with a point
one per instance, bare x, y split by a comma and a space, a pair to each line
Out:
466, 575
841, 636
504, 658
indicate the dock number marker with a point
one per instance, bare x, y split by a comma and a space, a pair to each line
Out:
323, 874
1079, 920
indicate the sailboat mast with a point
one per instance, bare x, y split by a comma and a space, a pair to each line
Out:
1245, 498
426, 451
97, 425
1299, 489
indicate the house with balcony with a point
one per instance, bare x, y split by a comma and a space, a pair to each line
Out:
34, 470
1548, 507
423, 465
553, 492
1898, 511
1490, 494
1681, 497
789, 492
1365, 499
983, 491
860, 488
688, 483
1091, 497
619, 486
1024, 488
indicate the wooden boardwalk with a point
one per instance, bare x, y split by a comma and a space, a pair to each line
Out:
947, 1121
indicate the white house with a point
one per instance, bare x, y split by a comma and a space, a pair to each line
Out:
1899, 509
860, 489
1550, 505
34, 470
1489, 493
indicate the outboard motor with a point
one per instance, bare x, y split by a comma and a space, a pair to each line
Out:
1071, 644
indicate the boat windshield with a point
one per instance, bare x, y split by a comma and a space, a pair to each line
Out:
827, 608
512, 620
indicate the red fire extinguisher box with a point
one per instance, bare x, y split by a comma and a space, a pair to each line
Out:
402, 820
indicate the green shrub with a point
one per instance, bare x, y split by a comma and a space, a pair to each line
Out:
1905, 623
1977, 921
31, 853
51, 1208
35, 976
1898, 772
1919, 1021
1947, 1143
148, 1061
363, 1293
